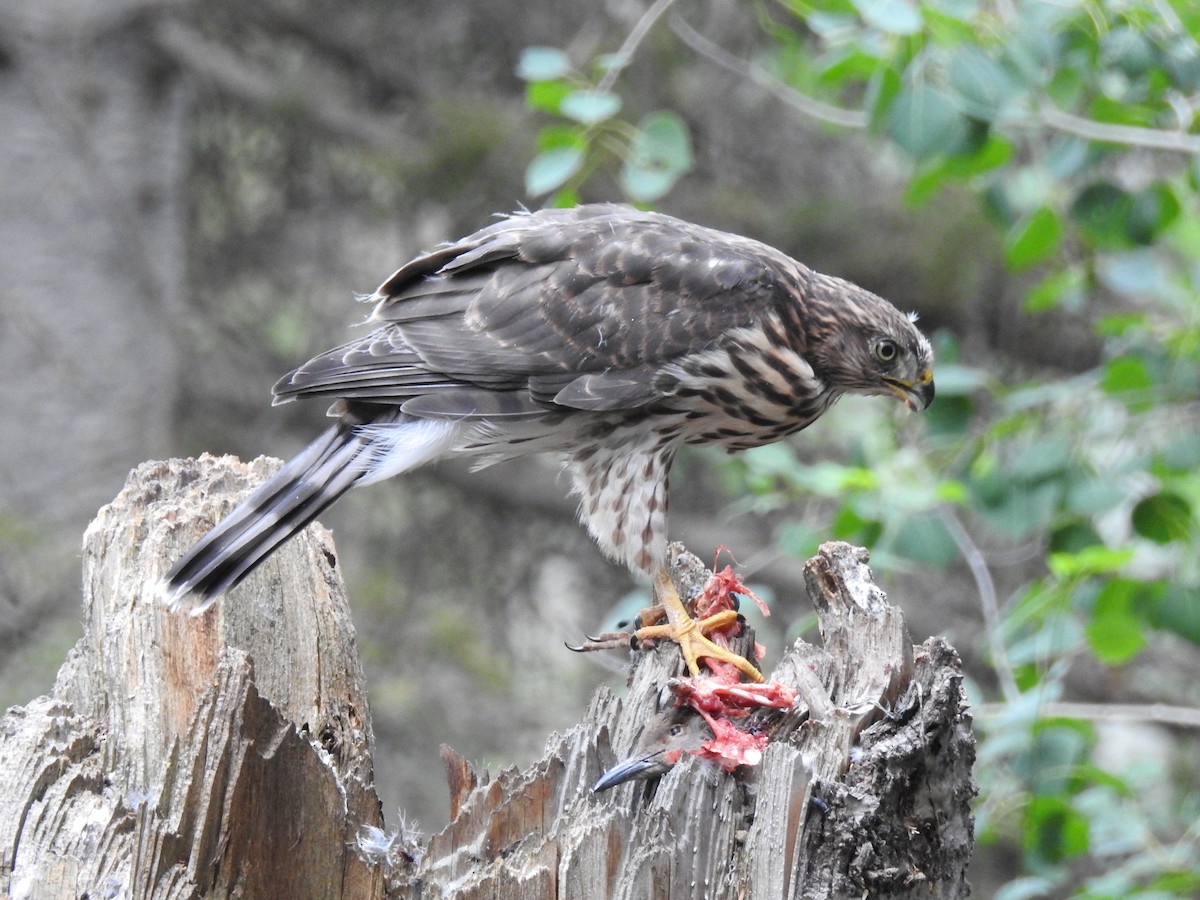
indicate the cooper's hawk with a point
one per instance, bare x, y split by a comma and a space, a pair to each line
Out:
611, 335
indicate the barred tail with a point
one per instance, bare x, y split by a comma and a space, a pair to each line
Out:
345, 455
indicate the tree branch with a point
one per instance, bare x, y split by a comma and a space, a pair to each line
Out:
635, 37
1159, 713
808, 106
1129, 135
987, 600
1048, 115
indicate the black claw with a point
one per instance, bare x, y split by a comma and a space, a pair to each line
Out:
818, 804
573, 649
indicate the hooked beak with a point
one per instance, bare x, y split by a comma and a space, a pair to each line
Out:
639, 768
916, 395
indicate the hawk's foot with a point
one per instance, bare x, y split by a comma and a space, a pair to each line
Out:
689, 632
692, 634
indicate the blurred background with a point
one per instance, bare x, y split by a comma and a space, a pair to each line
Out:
192, 194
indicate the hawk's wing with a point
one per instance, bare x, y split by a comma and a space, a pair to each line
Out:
579, 308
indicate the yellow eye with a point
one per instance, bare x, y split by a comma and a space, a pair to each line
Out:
886, 351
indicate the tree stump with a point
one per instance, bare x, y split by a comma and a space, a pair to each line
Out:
230, 753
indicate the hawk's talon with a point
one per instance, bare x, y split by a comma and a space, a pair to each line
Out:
691, 634
606, 640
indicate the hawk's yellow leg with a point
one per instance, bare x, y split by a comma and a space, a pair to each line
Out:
688, 633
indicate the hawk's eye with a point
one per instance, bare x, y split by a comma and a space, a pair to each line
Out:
886, 351
676, 730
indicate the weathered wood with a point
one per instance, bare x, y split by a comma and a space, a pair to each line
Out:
194, 756
231, 752
888, 761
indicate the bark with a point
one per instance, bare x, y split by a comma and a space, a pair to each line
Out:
194, 756
864, 790
230, 753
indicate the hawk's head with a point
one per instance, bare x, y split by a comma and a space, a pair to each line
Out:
861, 344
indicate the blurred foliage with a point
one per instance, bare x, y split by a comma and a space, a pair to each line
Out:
650, 156
1075, 125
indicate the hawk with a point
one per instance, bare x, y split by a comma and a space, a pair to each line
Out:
608, 334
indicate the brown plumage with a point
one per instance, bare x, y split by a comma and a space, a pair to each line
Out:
611, 335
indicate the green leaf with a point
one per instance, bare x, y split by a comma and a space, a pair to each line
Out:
1042, 459
1163, 517
1089, 561
1068, 157
1073, 536
799, 539
559, 136
950, 417
664, 136
607, 62
1101, 212
1032, 49
590, 106
542, 64
925, 539
949, 24
1128, 50
550, 169
957, 380
1021, 510
982, 83
993, 153
892, 16
1063, 289
1115, 630
925, 121
1183, 883
646, 185
1177, 610
1091, 495
834, 27
1182, 454
1034, 239
850, 526
882, 90
1125, 374
1120, 323
1053, 830
564, 199
950, 491
660, 153
1029, 887
847, 67
546, 95
1120, 112
1141, 273
1152, 211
